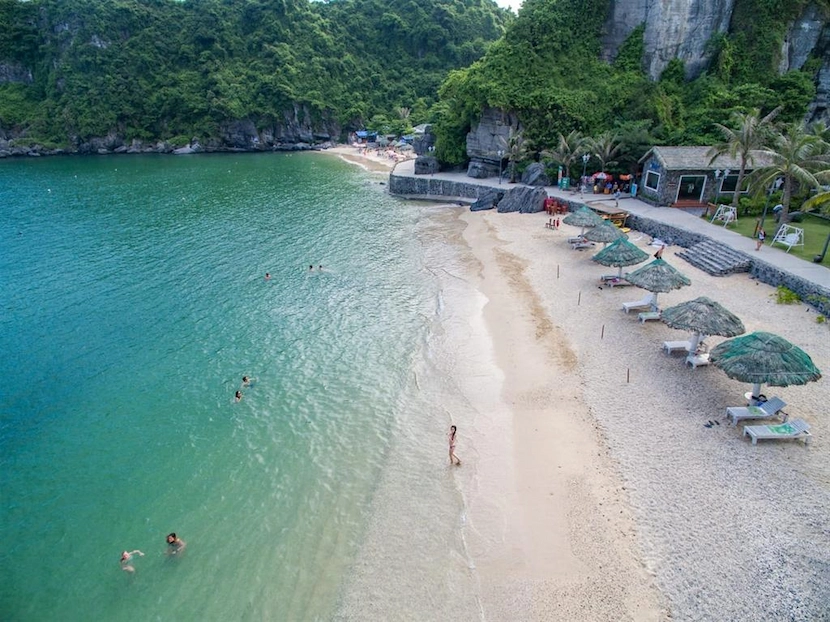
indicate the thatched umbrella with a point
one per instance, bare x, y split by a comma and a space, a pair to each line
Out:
583, 217
703, 316
620, 253
764, 358
606, 232
657, 276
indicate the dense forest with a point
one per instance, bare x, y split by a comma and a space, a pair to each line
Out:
71, 70
547, 69
163, 69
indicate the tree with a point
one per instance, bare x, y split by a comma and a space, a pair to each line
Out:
605, 147
747, 135
517, 149
795, 155
568, 149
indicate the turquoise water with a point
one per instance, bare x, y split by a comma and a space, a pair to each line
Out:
133, 302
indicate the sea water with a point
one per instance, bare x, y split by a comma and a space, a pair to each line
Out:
134, 299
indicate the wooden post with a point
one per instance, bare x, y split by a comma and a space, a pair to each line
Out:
602, 334
579, 298
627, 374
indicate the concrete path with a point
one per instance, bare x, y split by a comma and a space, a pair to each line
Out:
818, 274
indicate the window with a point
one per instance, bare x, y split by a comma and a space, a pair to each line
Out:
652, 180
728, 184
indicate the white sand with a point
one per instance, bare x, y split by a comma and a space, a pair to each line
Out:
731, 531
591, 497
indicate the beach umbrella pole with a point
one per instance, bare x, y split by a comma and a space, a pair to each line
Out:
693, 343
756, 390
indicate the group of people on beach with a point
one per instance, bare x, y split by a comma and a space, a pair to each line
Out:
175, 546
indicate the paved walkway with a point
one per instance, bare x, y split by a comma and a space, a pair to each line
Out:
807, 270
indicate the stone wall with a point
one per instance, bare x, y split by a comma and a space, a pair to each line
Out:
431, 188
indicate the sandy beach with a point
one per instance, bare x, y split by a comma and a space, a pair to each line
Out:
601, 478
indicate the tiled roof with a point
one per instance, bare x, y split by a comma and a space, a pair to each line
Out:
696, 158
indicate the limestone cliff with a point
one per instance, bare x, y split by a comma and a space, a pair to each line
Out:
683, 28
673, 29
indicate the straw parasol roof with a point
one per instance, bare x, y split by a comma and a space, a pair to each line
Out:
606, 232
657, 276
764, 358
583, 217
620, 253
703, 316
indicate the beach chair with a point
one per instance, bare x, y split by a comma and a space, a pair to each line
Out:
700, 359
677, 346
582, 244
645, 303
616, 282
648, 316
796, 428
765, 410
575, 239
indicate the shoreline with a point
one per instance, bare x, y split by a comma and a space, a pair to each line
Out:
617, 502
701, 513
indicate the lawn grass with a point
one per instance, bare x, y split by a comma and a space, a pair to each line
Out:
816, 230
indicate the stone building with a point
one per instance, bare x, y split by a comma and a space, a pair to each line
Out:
684, 176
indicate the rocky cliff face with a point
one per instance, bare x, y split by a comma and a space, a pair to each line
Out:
674, 29
682, 28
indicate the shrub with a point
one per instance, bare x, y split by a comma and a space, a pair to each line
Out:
786, 296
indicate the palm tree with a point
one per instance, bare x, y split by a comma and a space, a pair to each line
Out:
820, 202
517, 148
795, 155
605, 148
568, 149
748, 136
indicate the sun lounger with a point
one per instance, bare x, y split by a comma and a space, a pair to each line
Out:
645, 303
616, 282
647, 316
796, 428
677, 346
577, 238
770, 408
578, 246
700, 359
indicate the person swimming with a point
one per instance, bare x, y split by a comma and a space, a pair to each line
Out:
238, 396
246, 382
127, 558
175, 544
267, 276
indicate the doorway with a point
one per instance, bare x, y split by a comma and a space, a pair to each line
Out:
691, 188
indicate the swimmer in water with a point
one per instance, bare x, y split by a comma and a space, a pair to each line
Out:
246, 382
238, 396
127, 558
267, 276
175, 544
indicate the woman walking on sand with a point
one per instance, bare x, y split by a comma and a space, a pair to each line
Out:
453, 458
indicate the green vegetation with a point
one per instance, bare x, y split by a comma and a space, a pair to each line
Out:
547, 70
785, 296
816, 230
153, 69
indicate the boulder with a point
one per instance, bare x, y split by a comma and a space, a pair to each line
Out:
535, 175
478, 170
488, 200
426, 165
523, 199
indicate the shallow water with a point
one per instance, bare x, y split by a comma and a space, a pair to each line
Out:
134, 301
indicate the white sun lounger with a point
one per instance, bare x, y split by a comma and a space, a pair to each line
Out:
770, 408
645, 303
796, 428
647, 316
698, 360
676, 346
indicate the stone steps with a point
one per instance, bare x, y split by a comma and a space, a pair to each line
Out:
716, 259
